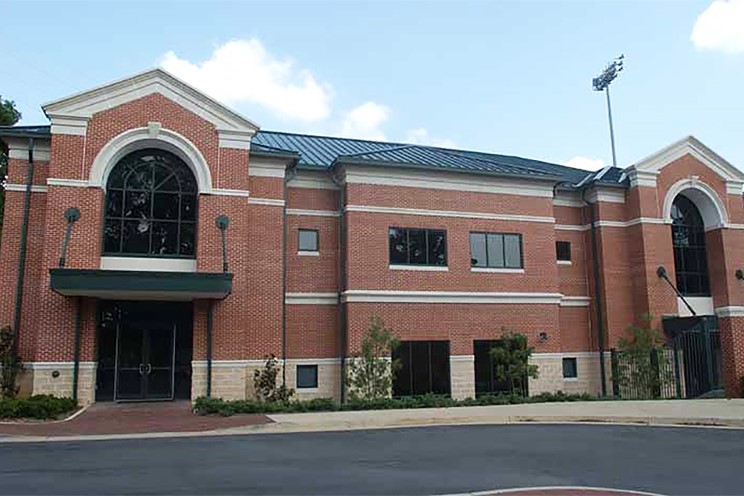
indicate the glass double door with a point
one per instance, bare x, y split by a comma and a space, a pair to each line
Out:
145, 359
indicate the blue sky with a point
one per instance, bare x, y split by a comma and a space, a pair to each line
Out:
508, 77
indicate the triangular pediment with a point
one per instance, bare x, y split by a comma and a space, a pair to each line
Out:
689, 146
83, 106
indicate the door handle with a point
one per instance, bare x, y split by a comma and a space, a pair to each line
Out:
141, 368
149, 368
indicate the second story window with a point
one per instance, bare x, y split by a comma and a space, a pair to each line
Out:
151, 200
563, 251
308, 240
494, 250
417, 246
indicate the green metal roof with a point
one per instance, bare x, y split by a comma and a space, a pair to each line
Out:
323, 152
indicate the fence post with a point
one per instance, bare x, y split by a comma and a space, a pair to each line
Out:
708, 359
655, 379
677, 372
615, 371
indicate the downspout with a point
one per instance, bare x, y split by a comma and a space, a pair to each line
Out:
210, 320
343, 330
76, 365
597, 288
291, 173
24, 242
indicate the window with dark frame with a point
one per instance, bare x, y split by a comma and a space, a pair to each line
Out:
151, 204
563, 251
410, 246
424, 368
307, 376
308, 240
496, 250
688, 241
570, 370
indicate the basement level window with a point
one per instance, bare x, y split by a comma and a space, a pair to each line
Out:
570, 371
563, 251
308, 240
307, 376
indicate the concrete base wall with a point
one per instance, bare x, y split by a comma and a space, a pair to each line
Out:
56, 378
329, 381
462, 376
550, 373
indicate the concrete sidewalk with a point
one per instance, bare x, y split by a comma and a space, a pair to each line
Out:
709, 413
715, 412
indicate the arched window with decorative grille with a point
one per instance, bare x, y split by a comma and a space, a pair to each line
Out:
151, 207
688, 239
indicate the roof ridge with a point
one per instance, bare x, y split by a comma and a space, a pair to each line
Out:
495, 162
341, 138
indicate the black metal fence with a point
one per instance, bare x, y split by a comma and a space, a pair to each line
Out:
688, 366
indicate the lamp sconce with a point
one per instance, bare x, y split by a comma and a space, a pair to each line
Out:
739, 274
543, 337
661, 271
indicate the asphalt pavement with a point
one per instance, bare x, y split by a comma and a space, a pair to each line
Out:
409, 461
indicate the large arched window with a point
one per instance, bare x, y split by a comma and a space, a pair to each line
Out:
151, 199
688, 238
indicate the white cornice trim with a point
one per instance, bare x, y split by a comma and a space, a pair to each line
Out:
145, 264
59, 365
447, 181
565, 202
40, 154
267, 167
642, 178
569, 227
575, 301
68, 124
311, 298
233, 127
606, 195
570, 354
231, 192
692, 146
312, 213
731, 311
71, 183
266, 201
383, 296
222, 364
448, 213
735, 188
35, 188
312, 180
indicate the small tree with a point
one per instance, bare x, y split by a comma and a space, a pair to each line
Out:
265, 382
371, 374
511, 358
10, 364
643, 366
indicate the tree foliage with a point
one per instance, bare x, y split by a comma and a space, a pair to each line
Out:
9, 115
10, 363
372, 371
511, 357
644, 365
265, 382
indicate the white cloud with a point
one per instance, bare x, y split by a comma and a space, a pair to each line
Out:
720, 27
586, 163
242, 71
365, 121
420, 136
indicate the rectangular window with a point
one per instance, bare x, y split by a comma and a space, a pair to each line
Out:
417, 246
563, 251
307, 376
486, 378
308, 240
424, 368
569, 368
494, 250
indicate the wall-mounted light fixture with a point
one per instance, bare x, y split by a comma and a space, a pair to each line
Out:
739, 274
543, 337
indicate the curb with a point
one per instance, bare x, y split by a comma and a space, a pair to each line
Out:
289, 428
73, 415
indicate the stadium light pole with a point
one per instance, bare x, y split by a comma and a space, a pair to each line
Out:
602, 83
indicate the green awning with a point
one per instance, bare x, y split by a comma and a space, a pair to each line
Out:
141, 285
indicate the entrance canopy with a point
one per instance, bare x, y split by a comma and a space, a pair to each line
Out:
141, 285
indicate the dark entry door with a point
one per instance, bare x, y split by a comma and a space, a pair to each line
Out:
145, 361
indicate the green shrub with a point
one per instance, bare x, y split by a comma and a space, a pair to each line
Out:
36, 407
213, 406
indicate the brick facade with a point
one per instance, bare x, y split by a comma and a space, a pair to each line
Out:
320, 308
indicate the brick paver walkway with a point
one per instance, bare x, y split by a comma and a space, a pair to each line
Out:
133, 418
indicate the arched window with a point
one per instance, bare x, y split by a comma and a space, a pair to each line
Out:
151, 200
688, 238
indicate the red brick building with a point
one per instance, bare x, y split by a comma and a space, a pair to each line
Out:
157, 245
